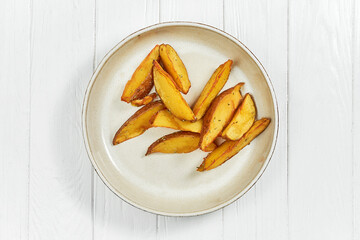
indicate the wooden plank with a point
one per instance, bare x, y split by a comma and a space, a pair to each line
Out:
113, 218
209, 226
356, 119
202, 11
320, 110
60, 172
15, 107
262, 27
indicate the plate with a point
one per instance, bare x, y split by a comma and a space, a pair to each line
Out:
169, 184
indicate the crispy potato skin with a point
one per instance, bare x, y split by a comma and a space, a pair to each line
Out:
243, 119
138, 123
220, 114
175, 67
164, 118
170, 95
212, 88
141, 81
229, 148
178, 142
146, 100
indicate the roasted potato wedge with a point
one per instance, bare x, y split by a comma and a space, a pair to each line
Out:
212, 88
220, 114
170, 95
147, 99
230, 148
178, 142
138, 123
141, 81
242, 121
175, 67
164, 118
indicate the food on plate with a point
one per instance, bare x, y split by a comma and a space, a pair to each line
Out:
178, 142
141, 81
147, 99
175, 67
219, 114
212, 88
230, 148
170, 95
228, 114
243, 119
164, 118
138, 123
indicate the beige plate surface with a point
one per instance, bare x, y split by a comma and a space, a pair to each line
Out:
169, 184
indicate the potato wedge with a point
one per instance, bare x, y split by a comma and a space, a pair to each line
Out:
164, 118
229, 148
175, 67
138, 123
141, 81
212, 88
147, 99
220, 114
170, 95
242, 121
178, 142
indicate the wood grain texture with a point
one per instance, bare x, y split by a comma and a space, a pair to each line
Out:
320, 110
209, 226
262, 27
202, 11
114, 218
14, 128
60, 172
356, 119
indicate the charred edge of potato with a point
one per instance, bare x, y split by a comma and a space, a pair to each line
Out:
136, 115
181, 104
181, 79
146, 100
209, 114
131, 92
234, 147
204, 100
169, 137
182, 142
209, 148
240, 111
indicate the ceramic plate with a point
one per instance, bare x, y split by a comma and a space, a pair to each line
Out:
169, 184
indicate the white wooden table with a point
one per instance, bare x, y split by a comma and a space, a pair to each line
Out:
48, 51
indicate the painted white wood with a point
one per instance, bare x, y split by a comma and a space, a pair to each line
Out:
208, 226
14, 115
114, 218
202, 11
320, 116
262, 27
356, 119
60, 172
47, 57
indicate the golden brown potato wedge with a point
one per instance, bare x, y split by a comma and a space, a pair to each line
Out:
219, 114
243, 119
170, 95
164, 118
230, 148
147, 99
212, 88
178, 142
141, 81
175, 67
137, 123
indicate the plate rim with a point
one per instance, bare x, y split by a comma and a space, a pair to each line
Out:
109, 54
